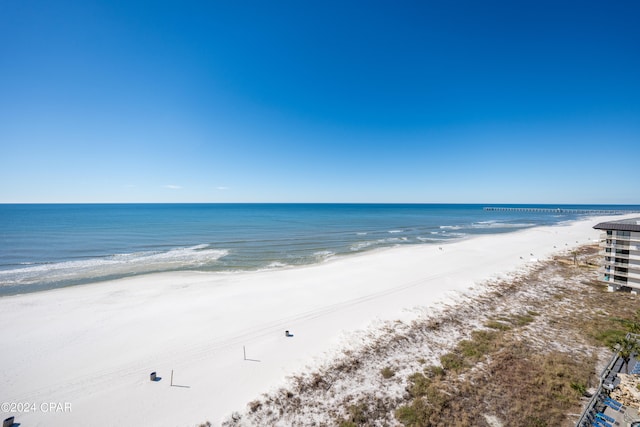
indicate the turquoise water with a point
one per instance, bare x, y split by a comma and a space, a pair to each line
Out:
49, 246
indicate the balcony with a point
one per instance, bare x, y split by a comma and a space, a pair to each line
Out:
612, 272
610, 279
615, 244
613, 254
619, 262
619, 235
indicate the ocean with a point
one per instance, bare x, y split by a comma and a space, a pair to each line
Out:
46, 246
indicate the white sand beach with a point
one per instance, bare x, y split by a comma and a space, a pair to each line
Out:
89, 349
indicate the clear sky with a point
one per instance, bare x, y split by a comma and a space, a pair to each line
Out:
301, 101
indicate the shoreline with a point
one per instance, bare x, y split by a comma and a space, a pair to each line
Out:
31, 288
94, 345
80, 264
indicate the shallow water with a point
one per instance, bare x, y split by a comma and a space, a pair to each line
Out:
49, 246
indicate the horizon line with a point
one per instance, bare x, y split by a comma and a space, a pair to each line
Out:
488, 204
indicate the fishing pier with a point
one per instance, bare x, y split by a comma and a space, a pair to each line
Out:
561, 210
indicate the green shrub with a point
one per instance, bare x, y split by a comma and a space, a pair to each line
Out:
356, 416
500, 326
434, 371
418, 385
607, 337
452, 361
482, 342
415, 414
522, 319
387, 372
579, 387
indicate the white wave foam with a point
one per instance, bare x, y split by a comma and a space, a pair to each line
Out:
360, 245
131, 263
324, 255
456, 234
432, 239
450, 227
361, 233
275, 264
394, 240
395, 231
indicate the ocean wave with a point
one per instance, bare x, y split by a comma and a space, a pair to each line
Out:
323, 255
392, 240
113, 265
275, 264
457, 234
394, 231
432, 239
450, 227
361, 245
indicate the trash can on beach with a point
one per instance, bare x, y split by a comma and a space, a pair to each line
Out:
8, 422
152, 377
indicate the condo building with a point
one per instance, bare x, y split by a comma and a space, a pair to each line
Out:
620, 243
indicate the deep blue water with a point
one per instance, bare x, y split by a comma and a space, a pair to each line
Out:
49, 246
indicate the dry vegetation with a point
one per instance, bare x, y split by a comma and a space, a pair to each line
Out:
521, 352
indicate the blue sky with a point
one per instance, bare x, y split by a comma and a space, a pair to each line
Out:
254, 101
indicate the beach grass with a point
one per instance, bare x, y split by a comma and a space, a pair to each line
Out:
533, 346
499, 372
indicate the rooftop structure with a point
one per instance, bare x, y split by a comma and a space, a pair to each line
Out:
620, 243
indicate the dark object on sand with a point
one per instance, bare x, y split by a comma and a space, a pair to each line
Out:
8, 422
153, 376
